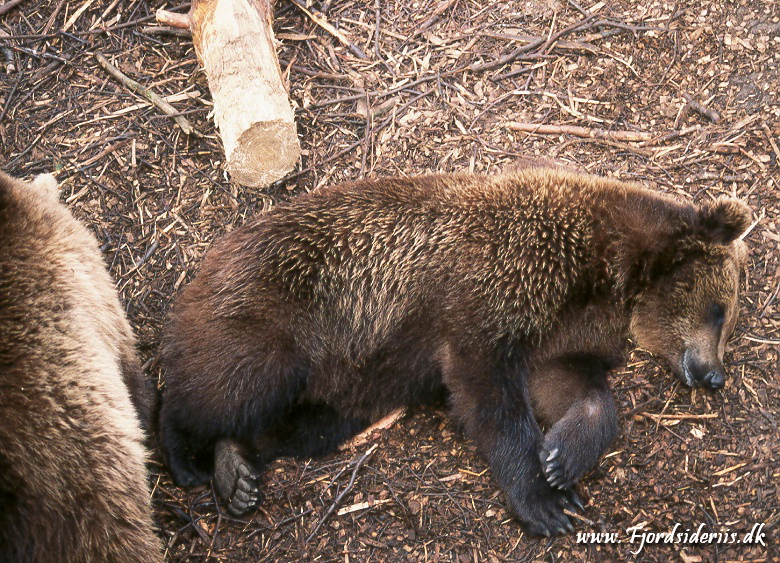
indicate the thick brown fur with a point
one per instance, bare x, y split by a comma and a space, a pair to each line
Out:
504, 292
73, 482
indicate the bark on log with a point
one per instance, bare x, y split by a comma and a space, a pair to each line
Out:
235, 44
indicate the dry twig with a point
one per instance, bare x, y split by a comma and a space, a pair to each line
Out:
364, 436
173, 19
710, 114
164, 106
9, 6
771, 140
588, 132
683, 416
166, 30
8, 54
77, 14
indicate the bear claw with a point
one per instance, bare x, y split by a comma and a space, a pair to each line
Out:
575, 499
555, 470
544, 511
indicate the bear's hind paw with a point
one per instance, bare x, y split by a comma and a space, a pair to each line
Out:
246, 496
236, 480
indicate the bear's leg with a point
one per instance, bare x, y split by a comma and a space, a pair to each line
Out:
582, 421
492, 400
307, 430
242, 398
183, 457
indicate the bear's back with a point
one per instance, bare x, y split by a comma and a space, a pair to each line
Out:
72, 461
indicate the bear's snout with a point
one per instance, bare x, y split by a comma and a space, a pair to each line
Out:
715, 379
698, 373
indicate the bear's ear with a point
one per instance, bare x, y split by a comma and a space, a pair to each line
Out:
47, 184
723, 221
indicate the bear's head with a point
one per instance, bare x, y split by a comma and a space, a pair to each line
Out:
689, 302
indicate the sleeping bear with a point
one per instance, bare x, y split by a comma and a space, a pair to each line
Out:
72, 459
513, 295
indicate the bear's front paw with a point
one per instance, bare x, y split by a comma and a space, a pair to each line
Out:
236, 480
556, 470
562, 466
542, 511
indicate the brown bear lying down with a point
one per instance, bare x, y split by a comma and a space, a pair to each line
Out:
512, 295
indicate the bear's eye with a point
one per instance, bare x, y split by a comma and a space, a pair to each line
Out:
716, 314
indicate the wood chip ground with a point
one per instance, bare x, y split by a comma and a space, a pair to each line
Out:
681, 96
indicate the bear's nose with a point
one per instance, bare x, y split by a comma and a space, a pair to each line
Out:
715, 379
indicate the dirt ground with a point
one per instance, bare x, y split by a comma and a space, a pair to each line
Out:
434, 94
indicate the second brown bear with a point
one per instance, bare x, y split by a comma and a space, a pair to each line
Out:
512, 295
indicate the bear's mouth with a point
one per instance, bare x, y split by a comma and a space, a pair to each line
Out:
687, 376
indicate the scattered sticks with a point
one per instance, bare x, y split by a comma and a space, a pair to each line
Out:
437, 12
343, 493
544, 45
161, 104
540, 47
322, 21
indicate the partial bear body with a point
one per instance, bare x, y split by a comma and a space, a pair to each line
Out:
512, 294
72, 462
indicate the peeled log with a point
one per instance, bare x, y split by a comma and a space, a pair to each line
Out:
235, 43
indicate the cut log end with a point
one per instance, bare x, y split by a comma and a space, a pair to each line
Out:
264, 153
235, 43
